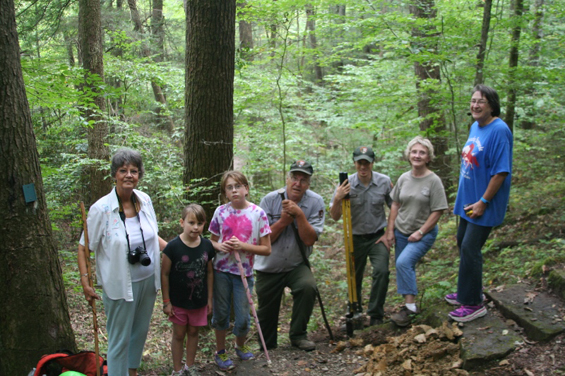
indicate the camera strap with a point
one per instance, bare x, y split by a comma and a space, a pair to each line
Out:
123, 217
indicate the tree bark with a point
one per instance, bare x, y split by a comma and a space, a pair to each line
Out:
69, 44
311, 26
513, 64
163, 121
90, 36
158, 31
337, 37
479, 76
529, 121
537, 34
210, 63
245, 33
433, 120
34, 314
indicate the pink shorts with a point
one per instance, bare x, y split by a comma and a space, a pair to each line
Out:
192, 317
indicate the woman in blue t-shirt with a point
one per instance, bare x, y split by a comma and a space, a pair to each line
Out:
482, 197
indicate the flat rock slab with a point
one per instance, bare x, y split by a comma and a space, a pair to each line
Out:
540, 314
484, 339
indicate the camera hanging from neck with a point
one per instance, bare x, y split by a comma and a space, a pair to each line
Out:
123, 217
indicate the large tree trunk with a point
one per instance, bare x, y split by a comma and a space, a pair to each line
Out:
245, 33
90, 36
34, 316
479, 76
433, 120
210, 62
513, 64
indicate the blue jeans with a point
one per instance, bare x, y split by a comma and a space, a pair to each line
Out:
470, 240
407, 255
226, 286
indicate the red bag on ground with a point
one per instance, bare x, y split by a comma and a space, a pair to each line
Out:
83, 362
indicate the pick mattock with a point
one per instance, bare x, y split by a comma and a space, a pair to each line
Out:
91, 284
250, 300
353, 306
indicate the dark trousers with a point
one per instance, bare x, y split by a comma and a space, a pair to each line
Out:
270, 287
364, 247
470, 240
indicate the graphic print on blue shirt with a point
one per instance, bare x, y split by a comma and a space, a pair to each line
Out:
487, 152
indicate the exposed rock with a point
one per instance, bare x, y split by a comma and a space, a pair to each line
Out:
540, 314
485, 339
414, 353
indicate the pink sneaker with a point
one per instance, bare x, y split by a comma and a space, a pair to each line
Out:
452, 298
467, 313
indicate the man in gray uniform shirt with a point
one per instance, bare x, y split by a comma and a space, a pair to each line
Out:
298, 206
369, 191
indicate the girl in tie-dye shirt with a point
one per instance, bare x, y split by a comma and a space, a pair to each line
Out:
237, 226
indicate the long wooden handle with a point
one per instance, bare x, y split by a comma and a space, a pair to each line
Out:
91, 284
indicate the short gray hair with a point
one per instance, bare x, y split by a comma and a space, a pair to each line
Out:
422, 141
126, 156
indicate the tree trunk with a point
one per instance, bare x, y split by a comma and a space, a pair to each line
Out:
513, 63
433, 120
135, 18
69, 44
210, 63
34, 314
163, 121
537, 34
339, 10
311, 26
90, 36
245, 33
529, 121
272, 38
479, 77
158, 31
337, 37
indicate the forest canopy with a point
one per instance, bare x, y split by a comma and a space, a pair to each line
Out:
313, 80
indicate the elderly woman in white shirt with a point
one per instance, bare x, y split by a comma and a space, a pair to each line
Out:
122, 232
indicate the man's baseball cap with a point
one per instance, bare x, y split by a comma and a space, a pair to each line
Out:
364, 152
302, 166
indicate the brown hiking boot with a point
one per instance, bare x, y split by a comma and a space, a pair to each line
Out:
304, 344
403, 317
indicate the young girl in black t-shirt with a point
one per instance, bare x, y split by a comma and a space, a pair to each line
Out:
187, 282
